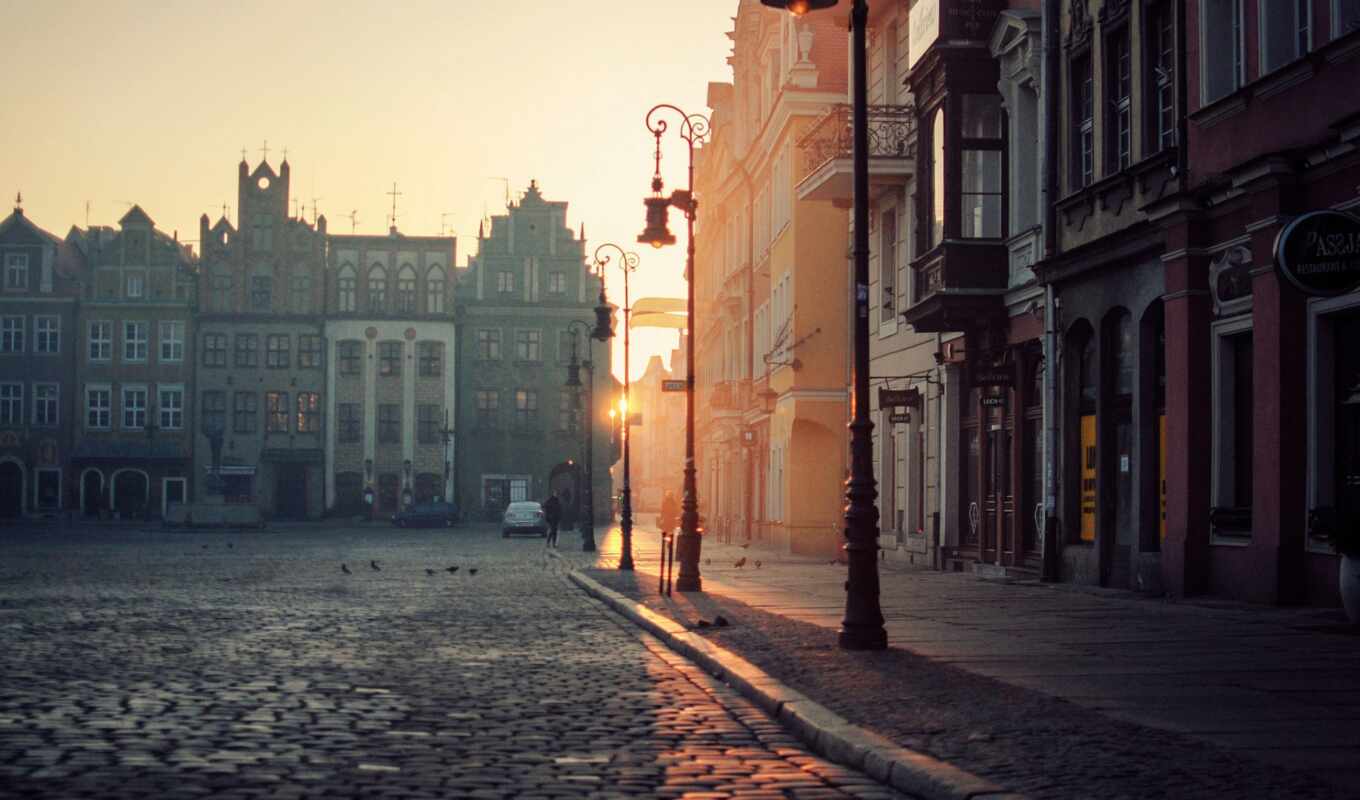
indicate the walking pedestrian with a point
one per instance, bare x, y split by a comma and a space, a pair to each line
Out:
669, 518
552, 513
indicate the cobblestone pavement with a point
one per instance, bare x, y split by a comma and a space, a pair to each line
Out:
162, 664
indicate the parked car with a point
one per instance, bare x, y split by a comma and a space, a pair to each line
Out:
427, 515
525, 516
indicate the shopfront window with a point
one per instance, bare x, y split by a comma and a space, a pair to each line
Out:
1233, 423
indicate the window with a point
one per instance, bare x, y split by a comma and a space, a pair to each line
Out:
11, 335
46, 408
389, 423
101, 341
134, 407
1285, 32
567, 346
276, 350
135, 283
300, 293
350, 357
428, 424
887, 259
526, 408
1161, 38
220, 295
214, 411
309, 351
16, 271
566, 410
489, 345
134, 341
1232, 474
488, 407
1220, 48
981, 194
261, 234
528, 345
172, 408
172, 341
406, 290
308, 412
98, 407
261, 292
505, 281
377, 289
276, 412
389, 358
557, 283
347, 289
1083, 124
47, 335
429, 355
1345, 17
1119, 108
11, 404
245, 408
214, 348
434, 292
936, 181
350, 428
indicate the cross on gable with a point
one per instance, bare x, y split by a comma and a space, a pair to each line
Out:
264, 151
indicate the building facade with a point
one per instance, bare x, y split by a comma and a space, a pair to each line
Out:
517, 298
771, 403
38, 345
658, 449
135, 321
392, 384
261, 366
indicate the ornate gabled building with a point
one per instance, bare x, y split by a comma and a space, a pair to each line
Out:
260, 353
38, 343
135, 368
391, 387
521, 429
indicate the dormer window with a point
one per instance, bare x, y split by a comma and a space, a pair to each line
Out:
16, 271
135, 285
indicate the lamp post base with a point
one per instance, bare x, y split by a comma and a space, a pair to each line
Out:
587, 539
871, 637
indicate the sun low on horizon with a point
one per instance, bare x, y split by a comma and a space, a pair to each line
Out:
456, 105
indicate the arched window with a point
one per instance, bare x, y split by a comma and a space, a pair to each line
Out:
406, 290
347, 286
377, 289
937, 178
434, 291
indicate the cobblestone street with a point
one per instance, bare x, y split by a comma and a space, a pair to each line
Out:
163, 664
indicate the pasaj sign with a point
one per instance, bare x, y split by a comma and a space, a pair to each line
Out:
900, 418
899, 398
1319, 252
673, 386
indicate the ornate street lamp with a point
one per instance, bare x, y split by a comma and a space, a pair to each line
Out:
574, 368
628, 262
694, 129
862, 628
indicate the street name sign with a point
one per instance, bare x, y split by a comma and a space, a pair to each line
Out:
900, 418
672, 386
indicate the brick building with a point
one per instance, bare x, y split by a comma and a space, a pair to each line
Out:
390, 388
38, 343
135, 368
261, 364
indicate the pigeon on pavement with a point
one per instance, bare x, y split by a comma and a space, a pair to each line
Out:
429, 571
472, 570
745, 545
708, 562
741, 562
757, 563
373, 565
452, 569
703, 623
721, 621
345, 569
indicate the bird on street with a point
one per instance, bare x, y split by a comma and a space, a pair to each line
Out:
741, 562
745, 545
708, 562
345, 569
373, 565
757, 563
452, 569
472, 570
429, 571
721, 621
703, 623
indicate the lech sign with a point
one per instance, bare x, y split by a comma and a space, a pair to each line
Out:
1319, 252
899, 398
672, 386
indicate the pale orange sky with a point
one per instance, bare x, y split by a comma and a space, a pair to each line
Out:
117, 102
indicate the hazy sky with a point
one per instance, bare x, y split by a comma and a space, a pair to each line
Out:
118, 102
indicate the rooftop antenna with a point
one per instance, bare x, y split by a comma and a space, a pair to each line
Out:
295, 208
442, 227
353, 220
87, 213
226, 209
506, 181
394, 194
314, 214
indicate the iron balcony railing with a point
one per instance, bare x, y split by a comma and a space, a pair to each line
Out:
892, 134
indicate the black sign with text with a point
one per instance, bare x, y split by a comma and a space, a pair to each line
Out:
1319, 252
899, 398
993, 376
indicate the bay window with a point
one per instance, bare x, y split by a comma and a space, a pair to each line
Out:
983, 162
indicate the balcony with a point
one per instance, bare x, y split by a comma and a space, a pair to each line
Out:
827, 152
959, 285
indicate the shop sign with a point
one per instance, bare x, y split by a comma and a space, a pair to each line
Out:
993, 376
673, 386
899, 398
994, 401
1319, 252
900, 418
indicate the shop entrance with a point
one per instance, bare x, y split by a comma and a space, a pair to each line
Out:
11, 489
290, 491
998, 499
1347, 380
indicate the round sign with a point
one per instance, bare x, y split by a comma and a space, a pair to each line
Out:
1319, 252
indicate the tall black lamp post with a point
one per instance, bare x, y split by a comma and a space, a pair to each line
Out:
601, 332
862, 628
628, 262
693, 130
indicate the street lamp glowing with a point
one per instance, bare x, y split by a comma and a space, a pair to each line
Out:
623, 406
799, 7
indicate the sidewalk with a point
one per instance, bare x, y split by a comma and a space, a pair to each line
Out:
1053, 690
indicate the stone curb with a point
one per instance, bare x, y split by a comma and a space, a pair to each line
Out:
826, 733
